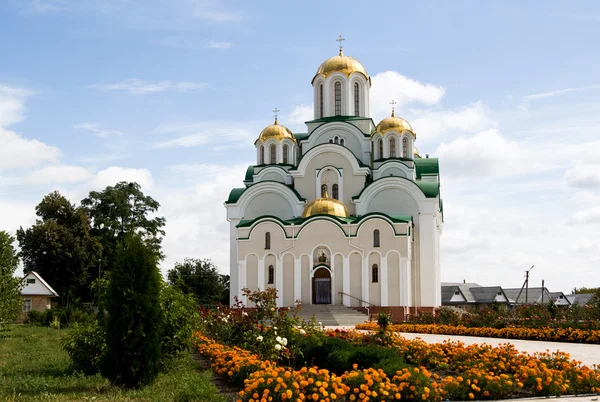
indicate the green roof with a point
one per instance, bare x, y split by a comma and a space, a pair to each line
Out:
300, 136
429, 189
351, 219
249, 173
426, 166
236, 193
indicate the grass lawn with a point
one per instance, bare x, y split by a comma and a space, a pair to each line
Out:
33, 367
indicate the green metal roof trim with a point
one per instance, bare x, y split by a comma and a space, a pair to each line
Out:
236, 193
360, 164
300, 136
427, 166
393, 159
429, 189
351, 219
338, 118
249, 173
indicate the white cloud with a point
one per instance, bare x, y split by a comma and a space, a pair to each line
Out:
141, 87
186, 141
591, 215
114, 174
559, 92
18, 152
485, 154
57, 174
216, 134
96, 129
391, 85
12, 104
299, 115
219, 45
583, 176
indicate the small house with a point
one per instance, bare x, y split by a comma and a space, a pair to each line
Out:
36, 293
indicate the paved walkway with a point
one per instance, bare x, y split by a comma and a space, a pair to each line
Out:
585, 353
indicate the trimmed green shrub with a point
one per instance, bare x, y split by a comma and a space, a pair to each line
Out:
86, 345
181, 318
34, 317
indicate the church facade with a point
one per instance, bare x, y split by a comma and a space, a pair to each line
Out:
347, 213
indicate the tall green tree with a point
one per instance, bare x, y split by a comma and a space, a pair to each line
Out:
123, 209
202, 279
135, 319
10, 286
60, 248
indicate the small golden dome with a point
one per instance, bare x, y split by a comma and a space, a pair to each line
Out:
343, 64
277, 131
416, 153
325, 206
393, 123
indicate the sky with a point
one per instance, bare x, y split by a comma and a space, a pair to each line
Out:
172, 94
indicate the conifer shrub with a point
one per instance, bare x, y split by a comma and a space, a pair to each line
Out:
134, 326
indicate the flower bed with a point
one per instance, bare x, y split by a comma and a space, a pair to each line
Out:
538, 334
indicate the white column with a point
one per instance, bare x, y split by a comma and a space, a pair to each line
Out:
233, 261
332, 282
365, 278
346, 281
383, 281
279, 281
430, 285
241, 281
261, 274
405, 282
297, 279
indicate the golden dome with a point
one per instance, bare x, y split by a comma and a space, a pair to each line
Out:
326, 206
277, 131
343, 64
393, 123
416, 153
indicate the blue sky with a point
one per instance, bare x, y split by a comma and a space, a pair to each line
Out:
173, 93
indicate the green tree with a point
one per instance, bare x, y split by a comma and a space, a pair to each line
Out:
135, 319
60, 248
121, 209
10, 286
202, 279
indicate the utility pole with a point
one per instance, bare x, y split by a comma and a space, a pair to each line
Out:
527, 285
542, 291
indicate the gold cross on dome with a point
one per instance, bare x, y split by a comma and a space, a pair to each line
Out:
340, 39
393, 103
275, 111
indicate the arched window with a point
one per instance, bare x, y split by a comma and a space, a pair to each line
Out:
335, 192
285, 153
376, 242
323, 189
392, 147
331, 140
356, 98
405, 147
380, 146
267, 241
338, 98
273, 150
271, 279
262, 155
321, 101
342, 141
375, 274
336, 139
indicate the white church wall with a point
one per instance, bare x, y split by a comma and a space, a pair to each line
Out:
252, 272
288, 280
338, 269
374, 287
273, 176
320, 232
256, 243
270, 261
393, 268
393, 201
306, 282
355, 278
269, 204
429, 283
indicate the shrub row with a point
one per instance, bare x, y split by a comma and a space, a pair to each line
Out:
538, 334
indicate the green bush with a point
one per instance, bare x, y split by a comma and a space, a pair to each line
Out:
34, 317
86, 346
181, 318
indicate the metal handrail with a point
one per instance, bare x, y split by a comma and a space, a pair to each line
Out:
362, 301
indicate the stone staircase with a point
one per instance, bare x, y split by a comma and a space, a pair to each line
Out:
332, 315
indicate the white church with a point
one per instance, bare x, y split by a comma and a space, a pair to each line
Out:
347, 213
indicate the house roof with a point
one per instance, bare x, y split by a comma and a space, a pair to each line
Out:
534, 295
486, 294
581, 299
40, 288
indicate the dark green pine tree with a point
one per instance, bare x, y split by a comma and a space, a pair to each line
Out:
134, 328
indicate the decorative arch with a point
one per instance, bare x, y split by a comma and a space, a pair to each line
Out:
296, 204
340, 181
393, 164
261, 155
424, 205
272, 154
327, 148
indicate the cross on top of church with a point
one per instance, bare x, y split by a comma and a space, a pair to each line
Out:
340, 39
275, 111
393, 103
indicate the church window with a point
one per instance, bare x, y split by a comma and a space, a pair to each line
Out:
285, 153
267, 240
338, 98
331, 140
273, 154
262, 155
271, 279
335, 192
321, 101
375, 274
405, 147
342, 141
336, 139
356, 97
376, 242
323, 190
380, 146
392, 147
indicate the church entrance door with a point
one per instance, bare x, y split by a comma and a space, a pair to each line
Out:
322, 286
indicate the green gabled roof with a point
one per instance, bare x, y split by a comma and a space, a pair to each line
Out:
249, 173
429, 189
426, 166
350, 219
236, 193
300, 136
